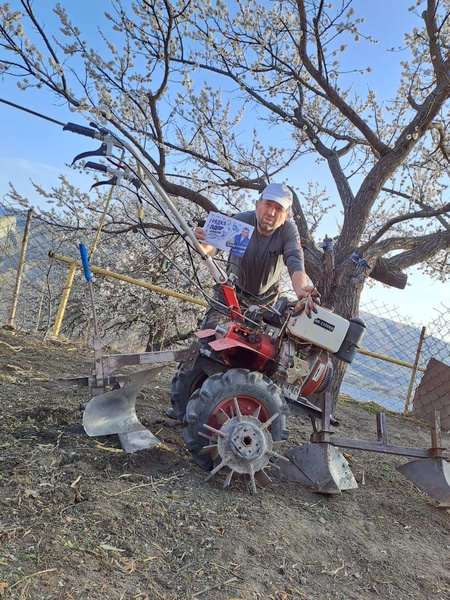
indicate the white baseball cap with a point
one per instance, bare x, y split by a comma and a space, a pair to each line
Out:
278, 192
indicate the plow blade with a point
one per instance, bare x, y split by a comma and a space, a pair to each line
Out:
115, 413
320, 465
432, 476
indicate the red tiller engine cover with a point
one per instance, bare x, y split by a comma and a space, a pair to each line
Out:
244, 348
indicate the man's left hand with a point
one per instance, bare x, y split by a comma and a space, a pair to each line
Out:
308, 298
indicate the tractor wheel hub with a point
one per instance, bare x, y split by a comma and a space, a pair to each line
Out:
243, 442
243, 445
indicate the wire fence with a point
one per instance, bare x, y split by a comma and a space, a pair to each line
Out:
401, 367
30, 284
394, 358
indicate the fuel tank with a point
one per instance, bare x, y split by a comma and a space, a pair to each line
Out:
324, 329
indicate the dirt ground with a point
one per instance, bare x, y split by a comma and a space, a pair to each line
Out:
80, 519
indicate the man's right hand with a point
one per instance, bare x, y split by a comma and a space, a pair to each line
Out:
200, 233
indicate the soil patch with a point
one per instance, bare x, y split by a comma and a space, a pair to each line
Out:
80, 519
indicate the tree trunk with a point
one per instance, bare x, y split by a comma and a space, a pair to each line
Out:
342, 292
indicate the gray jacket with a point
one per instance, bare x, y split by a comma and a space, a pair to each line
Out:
259, 271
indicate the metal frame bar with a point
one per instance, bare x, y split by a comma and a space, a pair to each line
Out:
382, 444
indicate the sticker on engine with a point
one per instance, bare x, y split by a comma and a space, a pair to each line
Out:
318, 374
324, 324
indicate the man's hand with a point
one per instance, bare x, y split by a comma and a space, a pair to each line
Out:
308, 297
200, 234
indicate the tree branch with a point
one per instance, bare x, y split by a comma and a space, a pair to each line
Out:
376, 144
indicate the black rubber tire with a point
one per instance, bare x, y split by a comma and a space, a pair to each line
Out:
252, 389
184, 384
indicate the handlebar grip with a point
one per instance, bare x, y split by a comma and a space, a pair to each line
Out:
74, 128
85, 262
96, 166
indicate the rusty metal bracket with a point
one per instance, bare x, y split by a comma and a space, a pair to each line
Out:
382, 444
109, 363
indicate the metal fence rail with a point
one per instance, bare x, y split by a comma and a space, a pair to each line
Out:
387, 371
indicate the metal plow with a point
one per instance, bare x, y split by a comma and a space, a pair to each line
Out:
115, 413
432, 475
320, 464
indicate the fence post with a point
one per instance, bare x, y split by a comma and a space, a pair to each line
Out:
414, 371
23, 251
41, 303
64, 299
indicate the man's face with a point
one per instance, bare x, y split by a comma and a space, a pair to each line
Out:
245, 233
269, 216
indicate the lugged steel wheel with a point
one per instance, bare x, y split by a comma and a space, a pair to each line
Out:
235, 420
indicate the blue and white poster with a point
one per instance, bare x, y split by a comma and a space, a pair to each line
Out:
226, 233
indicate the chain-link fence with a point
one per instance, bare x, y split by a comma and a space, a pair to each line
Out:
394, 357
401, 367
30, 284
43, 290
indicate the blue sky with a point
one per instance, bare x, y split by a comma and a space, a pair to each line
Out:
34, 148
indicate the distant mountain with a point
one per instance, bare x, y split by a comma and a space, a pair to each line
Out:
372, 379
7, 211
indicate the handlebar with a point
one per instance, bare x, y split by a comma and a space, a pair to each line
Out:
109, 140
87, 131
85, 263
96, 166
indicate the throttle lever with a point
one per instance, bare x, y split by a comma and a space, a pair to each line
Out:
115, 179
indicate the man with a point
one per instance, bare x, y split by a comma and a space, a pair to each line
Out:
240, 243
274, 245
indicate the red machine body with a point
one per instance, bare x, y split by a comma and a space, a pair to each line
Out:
268, 341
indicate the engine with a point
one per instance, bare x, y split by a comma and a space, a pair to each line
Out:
294, 351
